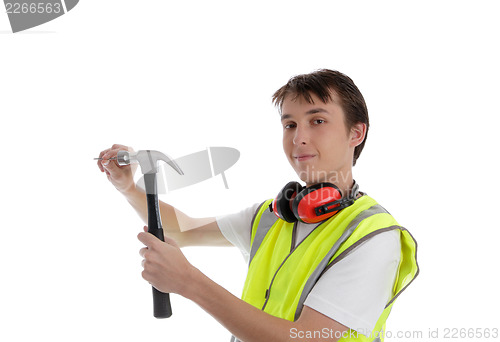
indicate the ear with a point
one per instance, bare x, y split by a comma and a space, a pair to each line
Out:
358, 133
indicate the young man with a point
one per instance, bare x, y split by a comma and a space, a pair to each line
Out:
326, 262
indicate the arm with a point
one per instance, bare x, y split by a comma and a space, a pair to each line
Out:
187, 231
166, 268
251, 324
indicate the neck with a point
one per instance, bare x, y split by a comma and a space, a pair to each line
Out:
342, 179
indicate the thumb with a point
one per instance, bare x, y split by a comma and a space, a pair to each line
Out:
110, 166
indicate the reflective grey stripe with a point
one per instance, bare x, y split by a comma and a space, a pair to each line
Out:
375, 209
266, 222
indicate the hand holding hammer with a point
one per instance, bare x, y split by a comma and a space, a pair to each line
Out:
148, 162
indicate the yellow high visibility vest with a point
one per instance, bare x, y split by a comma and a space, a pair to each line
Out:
280, 275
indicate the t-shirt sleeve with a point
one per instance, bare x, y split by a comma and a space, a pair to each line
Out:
355, 291
236, 228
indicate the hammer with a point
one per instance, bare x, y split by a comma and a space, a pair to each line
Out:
148, 161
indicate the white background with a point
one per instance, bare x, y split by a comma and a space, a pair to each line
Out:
178, 76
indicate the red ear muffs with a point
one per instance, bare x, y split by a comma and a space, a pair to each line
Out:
317, 203
282, 205
313, 204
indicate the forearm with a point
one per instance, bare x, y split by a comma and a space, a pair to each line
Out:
136, 197
242, 319
178, 225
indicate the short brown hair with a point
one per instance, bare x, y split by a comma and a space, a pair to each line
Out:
321, 83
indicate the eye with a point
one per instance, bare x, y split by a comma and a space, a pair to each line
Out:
289, 125
318, 121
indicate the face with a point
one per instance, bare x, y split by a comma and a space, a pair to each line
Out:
316, 141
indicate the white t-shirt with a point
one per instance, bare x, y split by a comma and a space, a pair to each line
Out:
352, 292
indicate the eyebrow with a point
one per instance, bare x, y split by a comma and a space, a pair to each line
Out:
309, 112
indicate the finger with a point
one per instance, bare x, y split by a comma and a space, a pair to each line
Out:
112, 165
111, 153
99, 162
142, 251
108, 164
110, 161
120, 147
146, 229
116, 148
147, 239
103, 152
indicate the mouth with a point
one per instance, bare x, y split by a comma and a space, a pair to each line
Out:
303, 157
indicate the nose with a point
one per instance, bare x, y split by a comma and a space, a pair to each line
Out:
301, 136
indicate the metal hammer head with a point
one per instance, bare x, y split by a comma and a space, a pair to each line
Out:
147, 159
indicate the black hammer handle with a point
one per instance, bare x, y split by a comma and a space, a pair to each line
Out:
161, 301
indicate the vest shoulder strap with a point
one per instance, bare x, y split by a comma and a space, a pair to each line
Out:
262, 221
